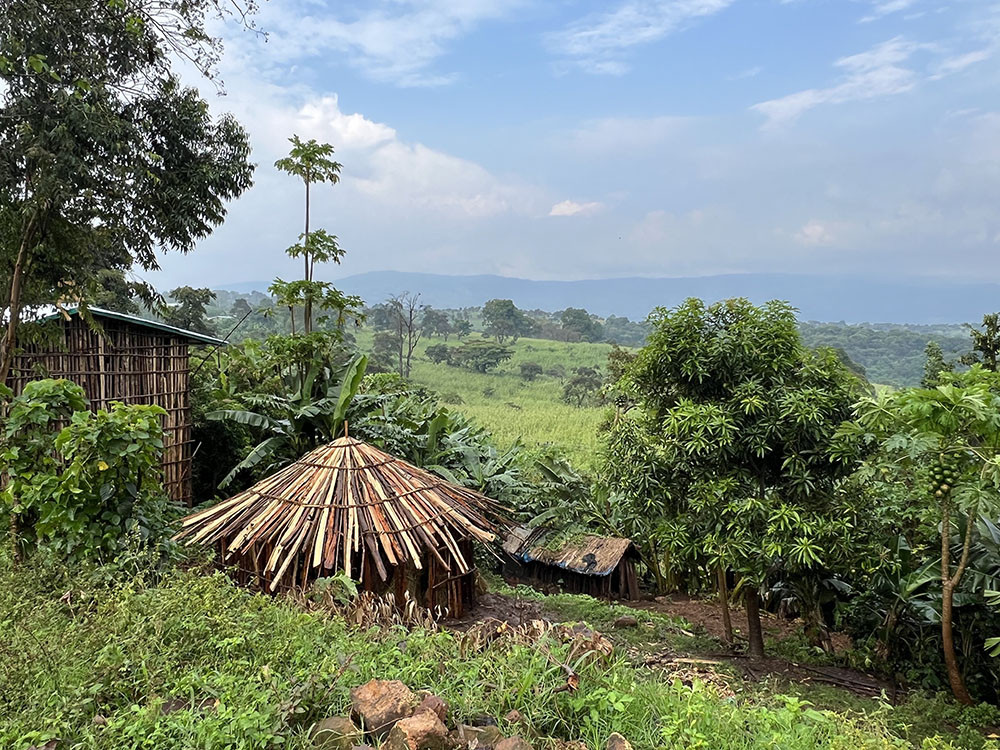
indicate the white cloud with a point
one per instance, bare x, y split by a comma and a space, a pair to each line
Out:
598, 42
572, 208
394, 41
882, 8
753, 72
958, 63
873, 74
618, 134
815, 233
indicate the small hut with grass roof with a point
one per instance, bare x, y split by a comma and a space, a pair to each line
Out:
350, 507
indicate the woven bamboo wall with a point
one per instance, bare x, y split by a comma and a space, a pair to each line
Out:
128, 363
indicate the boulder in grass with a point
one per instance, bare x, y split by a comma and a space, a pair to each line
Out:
512, 743
335, 733
626, 621
469, 736
430, 702
379, 704
422, 731
617, 742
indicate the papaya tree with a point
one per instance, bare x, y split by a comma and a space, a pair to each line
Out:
945, 443
312, 162
724, 434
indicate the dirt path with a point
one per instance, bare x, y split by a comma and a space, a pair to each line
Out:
686, 664
707, 615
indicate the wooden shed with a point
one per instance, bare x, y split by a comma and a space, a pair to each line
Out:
351, 507
600, 566
120, 357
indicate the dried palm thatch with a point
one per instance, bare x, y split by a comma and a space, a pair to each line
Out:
351, 507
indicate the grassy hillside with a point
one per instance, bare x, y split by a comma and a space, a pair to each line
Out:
512, 408
192, 661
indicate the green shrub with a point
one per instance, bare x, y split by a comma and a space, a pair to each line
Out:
78, 491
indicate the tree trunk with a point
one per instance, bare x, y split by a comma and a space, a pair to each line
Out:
307, 321
948, 584
727, 622
16, 278
948, 641
754, 632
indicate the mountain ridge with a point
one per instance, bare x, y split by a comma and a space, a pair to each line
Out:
851, 299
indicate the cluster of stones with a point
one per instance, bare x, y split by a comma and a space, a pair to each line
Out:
388, 712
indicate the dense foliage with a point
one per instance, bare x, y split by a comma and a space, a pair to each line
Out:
724, 448
944, 444
105, 157
79, 483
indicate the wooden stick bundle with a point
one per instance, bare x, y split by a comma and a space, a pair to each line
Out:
340, 504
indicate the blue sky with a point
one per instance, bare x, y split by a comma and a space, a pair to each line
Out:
565, 139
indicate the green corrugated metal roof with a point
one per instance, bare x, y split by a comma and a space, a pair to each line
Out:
100, 312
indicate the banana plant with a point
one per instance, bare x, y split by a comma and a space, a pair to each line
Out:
296, 422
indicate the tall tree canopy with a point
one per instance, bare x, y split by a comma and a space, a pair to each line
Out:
105, 158
725, 444
188, 312
503, 320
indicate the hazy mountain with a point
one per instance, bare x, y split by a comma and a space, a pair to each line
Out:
831, 298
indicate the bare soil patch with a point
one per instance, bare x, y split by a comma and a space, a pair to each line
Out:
707, 615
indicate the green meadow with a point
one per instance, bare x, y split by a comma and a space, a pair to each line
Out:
511, 408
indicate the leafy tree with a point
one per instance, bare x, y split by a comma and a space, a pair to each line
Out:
435, 323
311, 162
189, 312
583, 387
112, 291
619, 360
481, 356
105, 157
934, 365
502, 320
462, 327
726, 446
240, 308
946, 440
581, 323
530, 370
438, 353
985, 343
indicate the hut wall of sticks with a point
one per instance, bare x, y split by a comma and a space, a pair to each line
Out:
350, 507
119, 357
602, 567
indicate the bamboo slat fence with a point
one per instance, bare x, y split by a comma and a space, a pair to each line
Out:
351, 507
127, 362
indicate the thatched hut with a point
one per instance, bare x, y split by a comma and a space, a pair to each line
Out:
600, 566
118, 357
351, 507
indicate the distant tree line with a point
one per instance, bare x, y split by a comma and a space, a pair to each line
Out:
889, 354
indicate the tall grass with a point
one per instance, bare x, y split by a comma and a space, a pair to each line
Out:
194, 662
513, 409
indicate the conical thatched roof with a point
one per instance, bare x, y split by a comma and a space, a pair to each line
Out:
339, 503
